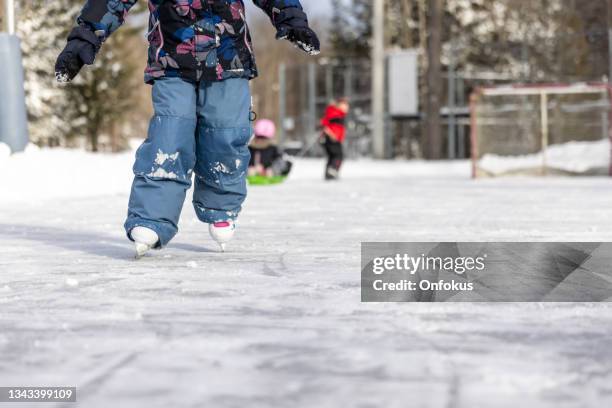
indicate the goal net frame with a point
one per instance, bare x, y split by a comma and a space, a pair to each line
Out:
544, 91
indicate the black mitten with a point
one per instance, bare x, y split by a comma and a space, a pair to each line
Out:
81, 49
292, 24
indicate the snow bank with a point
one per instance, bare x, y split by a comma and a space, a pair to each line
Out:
313, 169
5, 151
48, 174
573, 157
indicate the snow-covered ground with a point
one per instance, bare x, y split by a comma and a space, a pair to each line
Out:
571, 157
277, 321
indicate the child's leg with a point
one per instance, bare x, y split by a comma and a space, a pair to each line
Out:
339, 156
329, 152
224, 131
164, 162
335, 158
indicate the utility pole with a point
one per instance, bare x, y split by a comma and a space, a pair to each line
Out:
9, 15
609, 2
610, 41
433, 131
378, 80
282, 102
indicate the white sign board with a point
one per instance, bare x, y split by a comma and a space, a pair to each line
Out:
403, 85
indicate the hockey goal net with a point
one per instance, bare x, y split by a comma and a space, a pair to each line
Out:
541, 130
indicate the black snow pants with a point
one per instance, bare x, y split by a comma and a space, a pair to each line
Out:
335, 156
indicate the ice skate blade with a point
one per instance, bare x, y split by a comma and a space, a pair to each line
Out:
222, 247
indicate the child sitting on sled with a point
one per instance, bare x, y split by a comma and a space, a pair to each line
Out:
267, 161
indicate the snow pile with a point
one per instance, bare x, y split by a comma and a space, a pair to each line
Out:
313, 169
5, 151
572, 157
49, 174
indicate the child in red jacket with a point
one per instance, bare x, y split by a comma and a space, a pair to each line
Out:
334, 133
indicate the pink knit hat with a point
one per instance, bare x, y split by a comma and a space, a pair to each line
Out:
265, 128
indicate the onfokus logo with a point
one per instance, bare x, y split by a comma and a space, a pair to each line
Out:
426, 263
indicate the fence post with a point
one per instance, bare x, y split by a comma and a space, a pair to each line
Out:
348, 93
312, 101
452, 94
348, 81
329, 82
282, 102
544, 129
461, 128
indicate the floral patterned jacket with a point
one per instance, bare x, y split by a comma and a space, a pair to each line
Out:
193, 39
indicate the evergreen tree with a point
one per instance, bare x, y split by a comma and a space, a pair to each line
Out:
102, 96
351, 28
42, 28
553, 40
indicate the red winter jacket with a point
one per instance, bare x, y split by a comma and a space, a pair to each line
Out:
335, 120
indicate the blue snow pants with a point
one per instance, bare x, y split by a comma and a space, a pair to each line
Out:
200, 128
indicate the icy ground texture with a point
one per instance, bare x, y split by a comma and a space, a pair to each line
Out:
277, 321
573, 157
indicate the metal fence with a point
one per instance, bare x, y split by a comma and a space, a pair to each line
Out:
305, 90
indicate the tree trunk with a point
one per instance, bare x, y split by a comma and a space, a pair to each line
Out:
433, 126
610, 41
93, 138
406, 38
2, 22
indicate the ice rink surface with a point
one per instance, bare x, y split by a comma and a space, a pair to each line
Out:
277, 321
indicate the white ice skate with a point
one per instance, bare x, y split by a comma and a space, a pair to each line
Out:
222, 232
144, 239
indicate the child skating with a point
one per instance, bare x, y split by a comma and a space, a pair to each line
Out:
334, 133
200, 61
